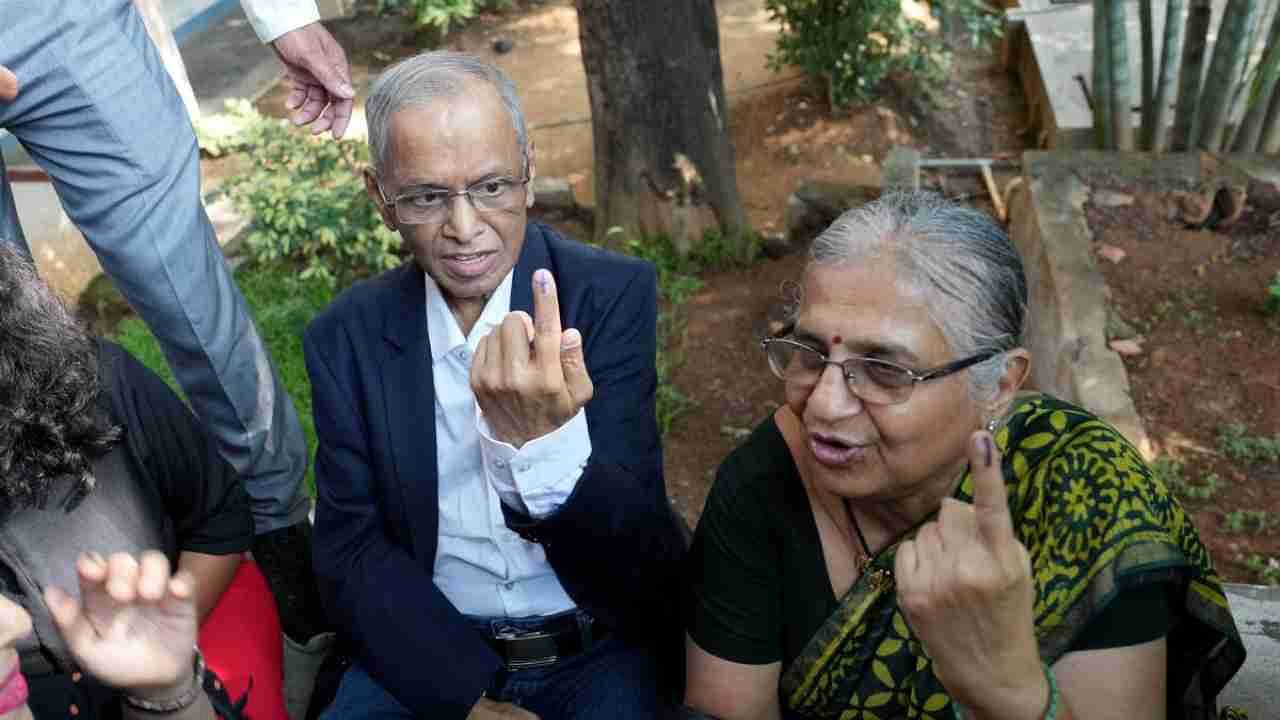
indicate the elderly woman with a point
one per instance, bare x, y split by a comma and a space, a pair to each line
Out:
98, 454
908, 536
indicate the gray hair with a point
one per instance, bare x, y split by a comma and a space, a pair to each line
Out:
429, 76
958, 258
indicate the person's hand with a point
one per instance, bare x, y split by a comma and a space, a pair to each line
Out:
8, 85
135, 625
487, 709
15, 624
528, 389
965, 586
317, 68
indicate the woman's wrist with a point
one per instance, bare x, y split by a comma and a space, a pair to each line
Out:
1031, 698
170, 696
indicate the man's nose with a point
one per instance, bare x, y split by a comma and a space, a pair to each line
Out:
463, 223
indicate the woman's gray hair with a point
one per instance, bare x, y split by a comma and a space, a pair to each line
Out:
964, 265
429, 76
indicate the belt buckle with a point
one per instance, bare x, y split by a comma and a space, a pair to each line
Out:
511, 634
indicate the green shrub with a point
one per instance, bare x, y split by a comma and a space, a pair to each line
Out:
1235, 442
851, 46
1273, 296
1265, 569
440, 14
308, 203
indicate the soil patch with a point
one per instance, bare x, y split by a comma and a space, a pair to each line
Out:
1208, 368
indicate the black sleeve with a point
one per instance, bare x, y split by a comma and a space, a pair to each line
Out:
733, 597
1133, 617
201, 493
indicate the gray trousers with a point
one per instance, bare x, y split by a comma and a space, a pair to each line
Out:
99, 113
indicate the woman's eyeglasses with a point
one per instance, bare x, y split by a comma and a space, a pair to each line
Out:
875, 381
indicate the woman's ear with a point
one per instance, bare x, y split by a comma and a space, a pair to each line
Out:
533, 173
1017, 369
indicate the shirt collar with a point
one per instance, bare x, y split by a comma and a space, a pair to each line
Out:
442, 327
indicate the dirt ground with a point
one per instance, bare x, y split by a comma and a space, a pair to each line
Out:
1208, 360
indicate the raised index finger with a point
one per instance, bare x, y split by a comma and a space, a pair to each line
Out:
990, 497
546, 318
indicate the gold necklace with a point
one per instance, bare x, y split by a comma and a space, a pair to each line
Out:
881, 578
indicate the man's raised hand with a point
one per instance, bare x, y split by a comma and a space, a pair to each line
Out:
530, 382
8, 85
965, 585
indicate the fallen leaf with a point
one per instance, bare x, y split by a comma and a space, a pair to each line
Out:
1111, 252
1127, 348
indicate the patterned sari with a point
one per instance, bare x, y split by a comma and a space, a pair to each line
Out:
1095, 522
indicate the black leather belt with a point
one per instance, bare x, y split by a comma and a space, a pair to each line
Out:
543, 644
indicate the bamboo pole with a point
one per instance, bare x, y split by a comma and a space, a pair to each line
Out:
1121, 84
1170, 58
1186, 117
1101, 77
1148, 72
1229, 54
1250, 134
1270, 142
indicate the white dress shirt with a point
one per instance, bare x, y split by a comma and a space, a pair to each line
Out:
481, 566
272, 18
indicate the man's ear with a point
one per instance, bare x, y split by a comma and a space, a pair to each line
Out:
388, 212
1016, 371
533, 172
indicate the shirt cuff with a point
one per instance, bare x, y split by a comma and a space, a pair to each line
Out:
539, 477
272, 18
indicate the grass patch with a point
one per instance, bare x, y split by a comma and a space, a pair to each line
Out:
281, 304
1235, 442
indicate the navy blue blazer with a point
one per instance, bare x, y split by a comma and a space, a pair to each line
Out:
614, 544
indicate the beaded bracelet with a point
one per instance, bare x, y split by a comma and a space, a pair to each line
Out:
1050, 713
183, 701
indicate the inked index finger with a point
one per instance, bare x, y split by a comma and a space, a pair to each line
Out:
546, 317
990, 496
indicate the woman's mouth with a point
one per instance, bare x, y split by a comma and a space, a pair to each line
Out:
834, 451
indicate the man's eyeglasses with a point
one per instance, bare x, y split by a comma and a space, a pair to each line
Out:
430, 205
875, 381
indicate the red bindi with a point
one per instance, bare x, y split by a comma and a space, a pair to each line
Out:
836, 340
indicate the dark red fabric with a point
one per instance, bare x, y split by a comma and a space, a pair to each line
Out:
241, 641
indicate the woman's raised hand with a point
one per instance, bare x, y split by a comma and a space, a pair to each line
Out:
965, 585
135, 625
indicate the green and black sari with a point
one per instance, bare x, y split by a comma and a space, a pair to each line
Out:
1097, 524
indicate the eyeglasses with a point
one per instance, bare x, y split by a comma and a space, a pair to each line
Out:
430, 205
875, 381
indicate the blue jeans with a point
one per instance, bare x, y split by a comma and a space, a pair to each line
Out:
98, 111
609, 680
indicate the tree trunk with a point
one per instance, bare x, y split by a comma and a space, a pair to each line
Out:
1229, 54
1185, 119
1121, 84
1266, 84
1101, 78
664, 162
1147, 30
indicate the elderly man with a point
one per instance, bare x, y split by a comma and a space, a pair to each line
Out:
493, 536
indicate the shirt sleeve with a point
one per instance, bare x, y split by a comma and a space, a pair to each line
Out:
1135, 616
539, 477
273, 18
733, 595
